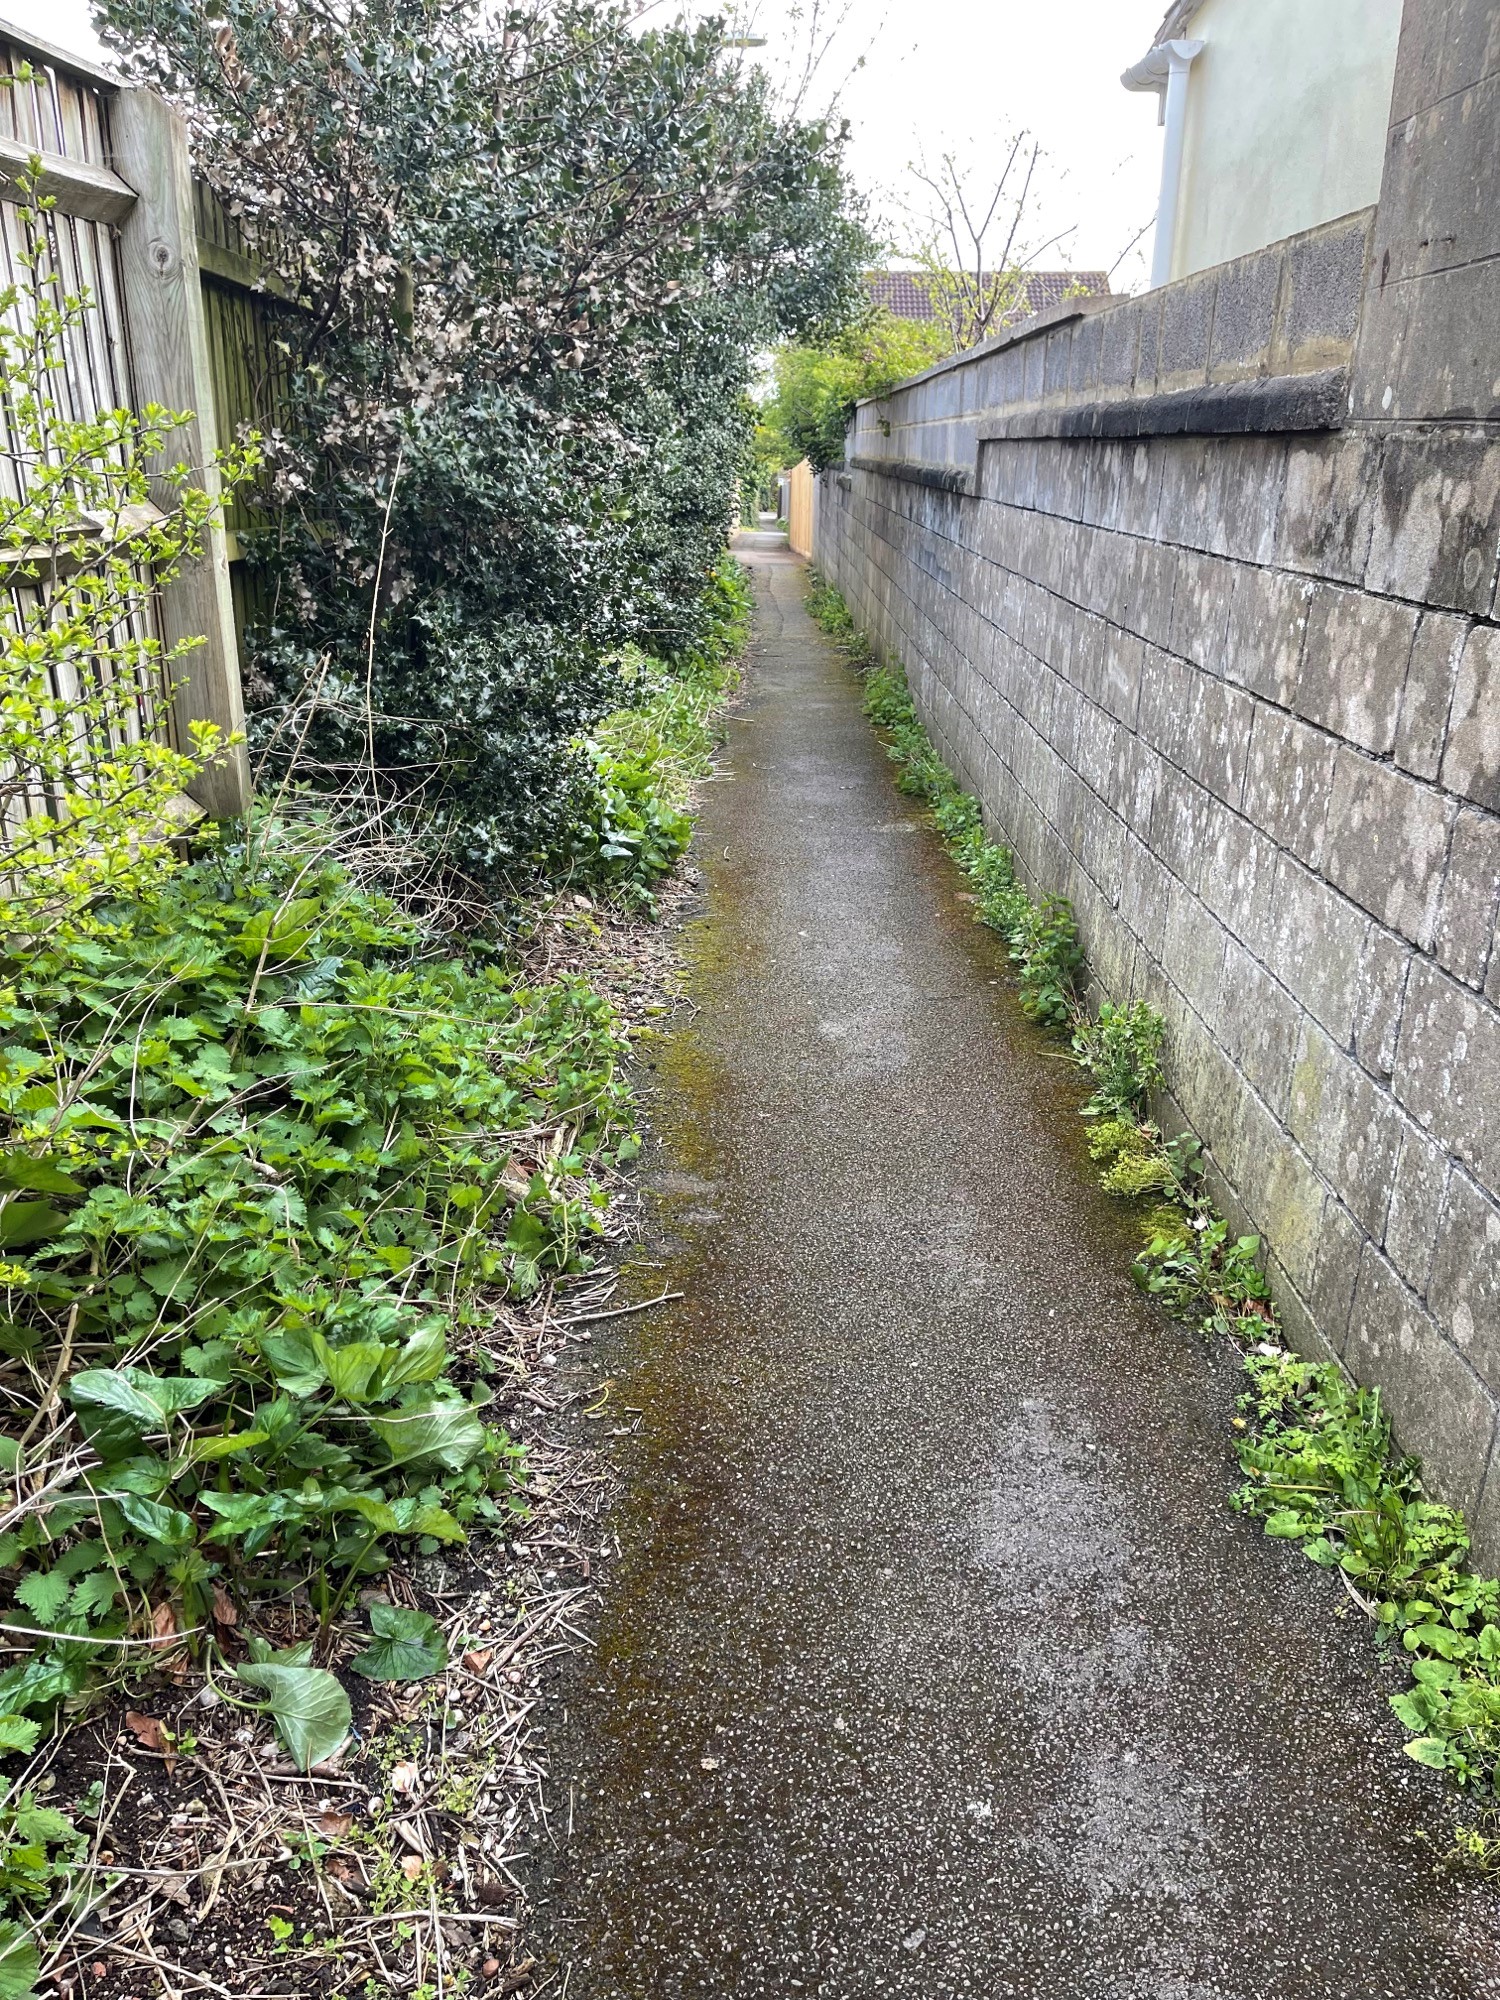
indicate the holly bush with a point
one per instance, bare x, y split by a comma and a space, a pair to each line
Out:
524, 264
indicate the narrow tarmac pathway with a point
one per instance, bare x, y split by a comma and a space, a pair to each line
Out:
934, 1664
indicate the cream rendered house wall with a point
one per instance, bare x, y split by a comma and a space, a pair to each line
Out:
1287, 108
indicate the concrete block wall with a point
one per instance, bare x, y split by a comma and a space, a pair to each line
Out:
1236, 691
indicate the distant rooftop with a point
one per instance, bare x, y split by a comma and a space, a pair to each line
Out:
906, 293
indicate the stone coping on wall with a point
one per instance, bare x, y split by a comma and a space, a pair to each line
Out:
946, 478
1238, 409
1263, 343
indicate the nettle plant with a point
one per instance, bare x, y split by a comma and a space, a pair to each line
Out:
90, 780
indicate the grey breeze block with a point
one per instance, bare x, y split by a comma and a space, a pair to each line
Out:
1233, 685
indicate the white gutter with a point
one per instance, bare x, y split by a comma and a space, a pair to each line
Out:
1165, 70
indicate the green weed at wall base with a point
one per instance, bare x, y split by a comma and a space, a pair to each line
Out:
1320, 1469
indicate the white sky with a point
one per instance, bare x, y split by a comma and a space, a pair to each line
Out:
939, 74
934, 75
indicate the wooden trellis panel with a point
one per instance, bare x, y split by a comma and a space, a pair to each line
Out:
116, 162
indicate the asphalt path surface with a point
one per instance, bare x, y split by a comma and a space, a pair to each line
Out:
934, 1663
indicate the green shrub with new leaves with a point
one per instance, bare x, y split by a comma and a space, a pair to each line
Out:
818, 386
522, 264
90, 786
634, 826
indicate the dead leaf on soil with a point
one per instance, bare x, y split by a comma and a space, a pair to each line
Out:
412, 1867
478, 1663
226, 1612
333, 1825
405, 1777
164, 1633
152, 1734
146, 1729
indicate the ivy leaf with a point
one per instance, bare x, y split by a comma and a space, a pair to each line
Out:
263, 1653
310, 1709
408, 1646
1429, 1750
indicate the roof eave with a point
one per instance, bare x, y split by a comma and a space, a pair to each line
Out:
1177, 19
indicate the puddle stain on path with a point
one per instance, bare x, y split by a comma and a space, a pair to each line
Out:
934, 1664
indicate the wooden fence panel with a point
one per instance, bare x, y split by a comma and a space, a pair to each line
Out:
248, 364
802, 494
116, 163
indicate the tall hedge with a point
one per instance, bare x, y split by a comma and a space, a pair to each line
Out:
527, 263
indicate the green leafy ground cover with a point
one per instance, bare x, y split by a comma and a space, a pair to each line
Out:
1320, 1468
270, 1153
647, 756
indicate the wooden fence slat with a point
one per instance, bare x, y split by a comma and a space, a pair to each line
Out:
93, 193
47, 55
170, 364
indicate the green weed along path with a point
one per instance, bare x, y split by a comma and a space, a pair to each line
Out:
935, 1665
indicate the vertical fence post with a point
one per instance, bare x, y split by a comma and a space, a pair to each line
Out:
169, 350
